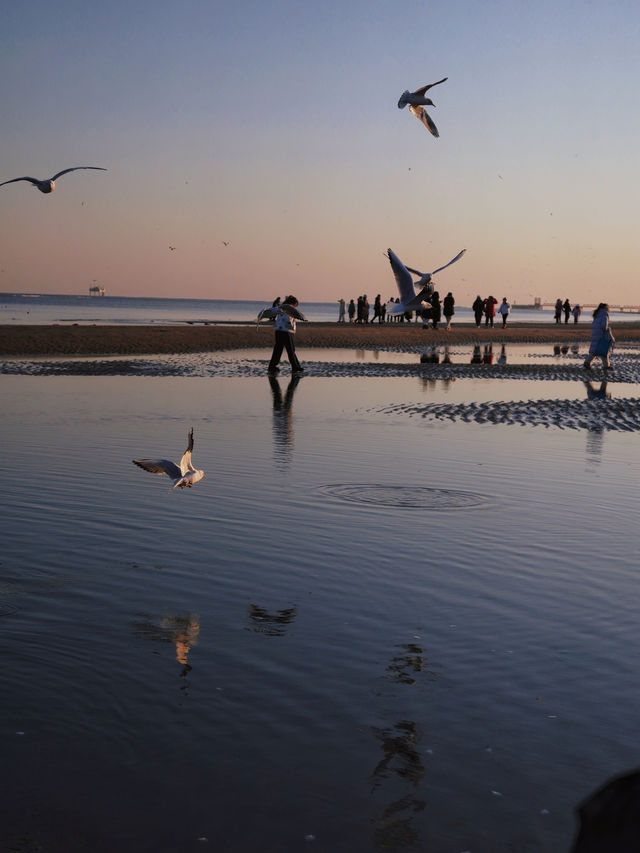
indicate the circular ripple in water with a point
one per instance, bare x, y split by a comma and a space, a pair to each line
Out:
405, 496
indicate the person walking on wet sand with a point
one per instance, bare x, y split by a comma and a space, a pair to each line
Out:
352, 310
285, 330
341, 309
601, 338
576, 311
566, 307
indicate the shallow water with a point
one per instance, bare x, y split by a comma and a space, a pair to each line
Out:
364, 630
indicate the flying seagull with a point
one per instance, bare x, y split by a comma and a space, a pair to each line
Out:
48, 185
417, 103
409, 299
183, 475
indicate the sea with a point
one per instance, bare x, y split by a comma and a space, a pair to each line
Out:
399, 613
27, 308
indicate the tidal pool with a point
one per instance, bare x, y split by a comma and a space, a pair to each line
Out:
366, 629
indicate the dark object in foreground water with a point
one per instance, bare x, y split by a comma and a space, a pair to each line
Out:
610, 817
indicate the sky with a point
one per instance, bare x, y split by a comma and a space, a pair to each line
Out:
273, 126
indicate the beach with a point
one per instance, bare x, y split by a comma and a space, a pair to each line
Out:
89, 340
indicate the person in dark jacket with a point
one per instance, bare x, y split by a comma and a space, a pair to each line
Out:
448, 308
436, 310
478, 309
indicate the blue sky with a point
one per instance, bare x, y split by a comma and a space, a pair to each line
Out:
274, 127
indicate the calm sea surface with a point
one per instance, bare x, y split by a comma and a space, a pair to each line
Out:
47, 308
361, 632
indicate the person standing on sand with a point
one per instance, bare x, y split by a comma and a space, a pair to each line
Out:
377, 309
436, 311
285, 330
341, 307
448, 308
504, 310
352, 310
577, 311
566, 307
558, 309
490, 310
602, 340
478, 309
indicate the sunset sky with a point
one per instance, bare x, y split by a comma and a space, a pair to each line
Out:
273, 126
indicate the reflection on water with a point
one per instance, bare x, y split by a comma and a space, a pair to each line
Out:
597, 393
401, 759
502, 358
182, 631
487, 357
268, 622
283, 417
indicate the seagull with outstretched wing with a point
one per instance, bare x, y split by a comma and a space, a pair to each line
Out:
416, 101
409, 299
183, 475
48, 184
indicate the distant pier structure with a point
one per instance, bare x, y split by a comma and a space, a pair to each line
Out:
96, 290
537, 304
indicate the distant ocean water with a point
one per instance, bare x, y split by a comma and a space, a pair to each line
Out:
23, 308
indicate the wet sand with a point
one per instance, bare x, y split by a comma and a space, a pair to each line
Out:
54, 340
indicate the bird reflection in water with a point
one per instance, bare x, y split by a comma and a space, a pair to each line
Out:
268, 622
283, 416
182, 631
401, 758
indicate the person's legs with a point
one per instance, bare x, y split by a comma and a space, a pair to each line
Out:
277, 351
291, 351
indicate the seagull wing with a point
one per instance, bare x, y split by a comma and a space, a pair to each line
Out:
424, 89
34, 181
267, 314
74, 169
402, 277
159, 466
185, 462
425, 118
457, 258
417, 272
292, 311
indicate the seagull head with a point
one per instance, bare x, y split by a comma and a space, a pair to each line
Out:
46, 186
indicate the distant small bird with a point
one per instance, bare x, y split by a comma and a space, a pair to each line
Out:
183, 476
417, 102
48, 185
225, 242
173, 248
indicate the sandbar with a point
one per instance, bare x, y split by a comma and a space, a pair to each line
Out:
18, 341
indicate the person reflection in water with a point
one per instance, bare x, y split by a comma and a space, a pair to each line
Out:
599, 393
283, 414
487, 358
476, 358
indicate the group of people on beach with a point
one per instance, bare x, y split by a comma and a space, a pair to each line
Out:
566, 309
487, 308
359, 311
285, 323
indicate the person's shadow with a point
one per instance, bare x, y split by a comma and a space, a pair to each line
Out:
283, 416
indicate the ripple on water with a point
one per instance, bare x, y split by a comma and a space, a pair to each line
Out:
405, 496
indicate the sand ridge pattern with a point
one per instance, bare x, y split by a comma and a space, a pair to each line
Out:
594, 414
